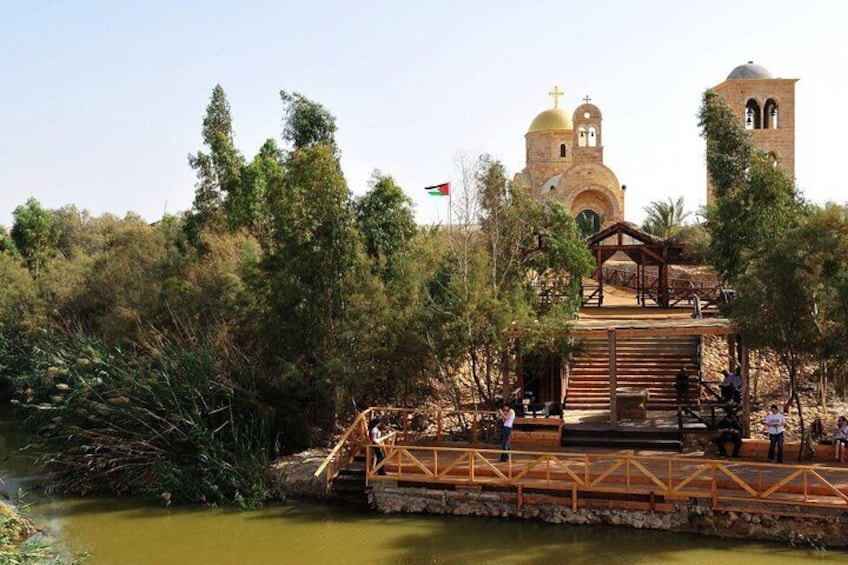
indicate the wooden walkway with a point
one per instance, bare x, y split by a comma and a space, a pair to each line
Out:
662, 478
418, 457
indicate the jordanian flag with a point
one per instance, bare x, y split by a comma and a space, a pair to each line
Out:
439, 190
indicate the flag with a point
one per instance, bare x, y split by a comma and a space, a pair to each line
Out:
439, 189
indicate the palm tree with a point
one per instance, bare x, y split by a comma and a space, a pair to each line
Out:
589, 223
665, 218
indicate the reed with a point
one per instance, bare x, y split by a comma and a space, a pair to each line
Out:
176, 420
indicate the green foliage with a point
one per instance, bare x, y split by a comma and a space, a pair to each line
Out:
386, 224
218, 171
31, 232
179, 421
589, 224
728, 145
696, 238
754, 201
307, 123
665, 219
260, 182
7, 245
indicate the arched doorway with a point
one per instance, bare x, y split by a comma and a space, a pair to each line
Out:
589, 222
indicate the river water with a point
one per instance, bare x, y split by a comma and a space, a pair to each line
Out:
122, 531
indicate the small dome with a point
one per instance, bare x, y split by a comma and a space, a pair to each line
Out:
555, 118
750, 70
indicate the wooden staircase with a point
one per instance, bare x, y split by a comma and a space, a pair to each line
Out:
642, 362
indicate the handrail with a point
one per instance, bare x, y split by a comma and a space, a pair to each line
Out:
360, 418
363, 417
673, 477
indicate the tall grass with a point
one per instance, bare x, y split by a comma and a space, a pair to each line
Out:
180, 421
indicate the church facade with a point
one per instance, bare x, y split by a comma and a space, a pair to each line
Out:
565, 161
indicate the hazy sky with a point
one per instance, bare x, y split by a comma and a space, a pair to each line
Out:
101, 102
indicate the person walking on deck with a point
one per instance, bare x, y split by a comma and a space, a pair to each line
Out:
507, 414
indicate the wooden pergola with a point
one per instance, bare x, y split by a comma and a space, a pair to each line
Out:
645, 250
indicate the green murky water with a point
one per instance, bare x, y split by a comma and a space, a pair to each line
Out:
120, 531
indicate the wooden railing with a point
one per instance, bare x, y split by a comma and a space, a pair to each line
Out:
347, 448
409, 425
674, 478
710, 293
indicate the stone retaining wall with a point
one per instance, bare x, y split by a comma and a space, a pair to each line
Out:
823, 527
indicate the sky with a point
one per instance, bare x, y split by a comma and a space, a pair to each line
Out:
101, 102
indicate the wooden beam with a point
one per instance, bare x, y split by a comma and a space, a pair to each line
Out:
746, 400
613, 379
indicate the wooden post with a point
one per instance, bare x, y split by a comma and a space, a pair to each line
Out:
746, 401
439, 426
600, 278
664, 293
574, 497
731, 352
613, 380
519, 500
474, 430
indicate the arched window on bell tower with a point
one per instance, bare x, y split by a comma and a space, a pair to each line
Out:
562, 150
752, 115
593, 136
582, 137
770, 114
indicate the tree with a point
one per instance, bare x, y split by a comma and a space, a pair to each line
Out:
31, 232
754, 201
247, 201
218, 171
307, 123
386, 223
665, 219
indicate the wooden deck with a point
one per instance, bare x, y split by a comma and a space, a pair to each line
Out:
621, 478
663, 478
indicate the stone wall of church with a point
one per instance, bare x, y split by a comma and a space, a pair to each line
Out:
543, 155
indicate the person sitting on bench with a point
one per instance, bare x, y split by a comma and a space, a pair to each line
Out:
731, 431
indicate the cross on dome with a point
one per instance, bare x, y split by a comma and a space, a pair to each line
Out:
556, 93
586, 99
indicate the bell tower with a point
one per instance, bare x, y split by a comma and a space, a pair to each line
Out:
766, 107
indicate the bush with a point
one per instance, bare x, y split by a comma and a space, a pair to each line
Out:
180, 421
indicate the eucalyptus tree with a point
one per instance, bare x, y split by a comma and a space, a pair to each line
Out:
386, 224
32, 233
754, 201
218, 169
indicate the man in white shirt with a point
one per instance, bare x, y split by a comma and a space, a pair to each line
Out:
507, 414
776, 422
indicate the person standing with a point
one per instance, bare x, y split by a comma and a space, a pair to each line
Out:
776, 422
840, 439
376, 437
507, 414
681, 386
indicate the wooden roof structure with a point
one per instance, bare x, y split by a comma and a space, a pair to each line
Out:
642, 248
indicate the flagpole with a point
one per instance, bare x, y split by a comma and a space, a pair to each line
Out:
450, 208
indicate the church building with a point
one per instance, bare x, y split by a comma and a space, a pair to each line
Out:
565, 161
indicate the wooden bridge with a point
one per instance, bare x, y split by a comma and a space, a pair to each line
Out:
443, 449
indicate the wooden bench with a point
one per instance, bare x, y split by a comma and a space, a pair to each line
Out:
758, 449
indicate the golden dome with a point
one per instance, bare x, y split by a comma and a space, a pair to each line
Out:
555, 118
